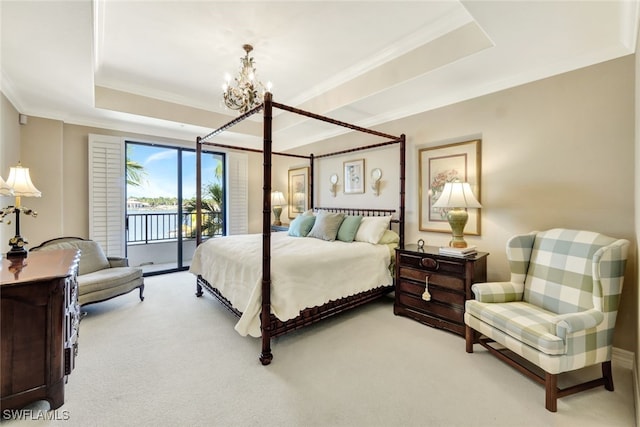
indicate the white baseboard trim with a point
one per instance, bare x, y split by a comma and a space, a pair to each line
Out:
636, 393
626, 359
623, 358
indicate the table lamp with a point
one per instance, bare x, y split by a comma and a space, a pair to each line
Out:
20, 182
457, 196
277, 200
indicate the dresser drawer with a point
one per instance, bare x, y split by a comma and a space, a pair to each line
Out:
448, 312
431, 263
437, 293
450, 282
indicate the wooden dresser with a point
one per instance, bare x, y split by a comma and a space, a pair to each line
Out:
39, 330
449, 285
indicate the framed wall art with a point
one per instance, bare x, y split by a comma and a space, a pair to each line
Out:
298, 194
448, 163
354, 176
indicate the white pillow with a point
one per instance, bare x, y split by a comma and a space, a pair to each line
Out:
372, 228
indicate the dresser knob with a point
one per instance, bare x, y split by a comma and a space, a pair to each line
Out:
429, 263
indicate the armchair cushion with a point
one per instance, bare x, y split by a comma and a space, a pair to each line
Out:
526, 323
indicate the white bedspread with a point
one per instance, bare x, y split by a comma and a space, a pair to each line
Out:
305, 272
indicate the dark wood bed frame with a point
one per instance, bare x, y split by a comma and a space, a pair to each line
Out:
272, 327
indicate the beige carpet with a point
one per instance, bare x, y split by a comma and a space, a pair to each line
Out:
175, 360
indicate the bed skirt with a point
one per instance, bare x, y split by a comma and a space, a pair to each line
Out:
307, 316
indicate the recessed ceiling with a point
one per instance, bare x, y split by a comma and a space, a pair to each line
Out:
156, 67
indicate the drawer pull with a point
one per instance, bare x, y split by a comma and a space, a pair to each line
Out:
429, 263
426, 295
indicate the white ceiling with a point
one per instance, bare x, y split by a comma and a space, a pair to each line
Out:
156, 67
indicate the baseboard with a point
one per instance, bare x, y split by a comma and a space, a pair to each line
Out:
623, 358
626, 359
636, 393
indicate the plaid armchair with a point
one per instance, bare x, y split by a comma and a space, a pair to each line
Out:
559, 309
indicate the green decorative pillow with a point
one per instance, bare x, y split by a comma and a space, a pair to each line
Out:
301, 225
388, 237
326, 226
349, 227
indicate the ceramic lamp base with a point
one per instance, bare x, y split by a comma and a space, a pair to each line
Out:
457, 220
277, 211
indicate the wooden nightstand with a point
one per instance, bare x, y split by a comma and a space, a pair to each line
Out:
450, 279
283, 227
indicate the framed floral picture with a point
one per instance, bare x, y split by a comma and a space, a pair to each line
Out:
354, 177
448, 163
298, 194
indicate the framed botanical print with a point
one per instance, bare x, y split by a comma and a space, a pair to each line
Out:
448, 163
354, 177
298, 194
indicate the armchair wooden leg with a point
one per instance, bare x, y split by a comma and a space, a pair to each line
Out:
551, 391
470, 338
607, 375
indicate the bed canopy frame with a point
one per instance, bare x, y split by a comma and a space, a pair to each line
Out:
275, 327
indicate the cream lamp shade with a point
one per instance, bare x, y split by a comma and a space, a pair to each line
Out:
277, 200
20, 181
457, 196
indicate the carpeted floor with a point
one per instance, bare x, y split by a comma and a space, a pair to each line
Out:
175, 360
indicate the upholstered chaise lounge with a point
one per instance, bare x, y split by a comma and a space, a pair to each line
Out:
99, 277
559, 309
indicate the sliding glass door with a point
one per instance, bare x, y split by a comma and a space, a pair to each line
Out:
160, 215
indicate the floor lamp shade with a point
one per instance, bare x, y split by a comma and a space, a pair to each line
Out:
457, 197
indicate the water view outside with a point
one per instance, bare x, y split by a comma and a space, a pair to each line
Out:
153, 197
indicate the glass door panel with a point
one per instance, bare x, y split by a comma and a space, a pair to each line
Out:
153, 227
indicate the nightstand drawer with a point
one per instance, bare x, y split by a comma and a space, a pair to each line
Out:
431, 263
453, 313
437, 294
449, 282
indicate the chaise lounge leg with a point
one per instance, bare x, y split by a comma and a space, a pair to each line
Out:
141, 291
607, 375
470, 338
551, 391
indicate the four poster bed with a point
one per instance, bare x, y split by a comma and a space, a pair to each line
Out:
267, 280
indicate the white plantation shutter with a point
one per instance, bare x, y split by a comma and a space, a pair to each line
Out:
237, 193
107, 193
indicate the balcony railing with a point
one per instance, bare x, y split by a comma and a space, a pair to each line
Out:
159, 227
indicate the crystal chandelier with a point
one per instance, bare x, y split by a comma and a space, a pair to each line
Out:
247, 92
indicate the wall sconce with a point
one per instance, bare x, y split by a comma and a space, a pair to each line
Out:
334, 181
20, 183
277, 200
376, 174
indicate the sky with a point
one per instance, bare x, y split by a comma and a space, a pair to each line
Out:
161, 169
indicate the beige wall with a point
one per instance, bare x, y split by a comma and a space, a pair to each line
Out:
9, 156
555, 153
